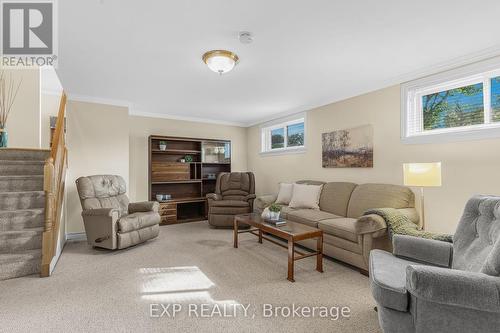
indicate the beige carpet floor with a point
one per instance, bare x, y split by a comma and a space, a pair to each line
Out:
101, 291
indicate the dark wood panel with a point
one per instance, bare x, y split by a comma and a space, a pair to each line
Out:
177, 190
164, 171
191, 211
177, 151
171, 158
180, 145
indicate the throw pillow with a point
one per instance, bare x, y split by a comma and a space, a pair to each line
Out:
306, 196
285, 194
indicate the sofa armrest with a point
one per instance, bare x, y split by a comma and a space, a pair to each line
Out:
410, 213
105, 212
454, 287
144, 206
370, 223
250, 197
101, 226
264, 201
214, 196
423, 250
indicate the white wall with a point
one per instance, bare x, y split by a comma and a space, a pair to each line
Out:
24, 120
49, 105
50, 97
98, 143
468, 167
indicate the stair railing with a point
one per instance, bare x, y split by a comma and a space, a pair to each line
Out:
54, 184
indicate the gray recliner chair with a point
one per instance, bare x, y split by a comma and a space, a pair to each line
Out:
234, 194
110, 221
432, 286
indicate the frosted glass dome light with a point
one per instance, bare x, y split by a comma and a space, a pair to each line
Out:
220, 61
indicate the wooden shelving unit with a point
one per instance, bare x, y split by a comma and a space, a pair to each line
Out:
187, 182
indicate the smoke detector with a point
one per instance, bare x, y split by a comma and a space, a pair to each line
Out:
245, 37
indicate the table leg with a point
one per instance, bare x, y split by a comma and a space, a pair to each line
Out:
235, 233
291, 260
260, 236
319, 257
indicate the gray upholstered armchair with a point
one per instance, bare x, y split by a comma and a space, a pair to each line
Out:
433, 286
112, 222
234, 194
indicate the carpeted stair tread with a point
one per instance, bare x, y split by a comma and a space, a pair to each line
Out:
21, 177
20, 264
11, 220
17, 183
10, 201
23, 154
21, 233
22, 162
20, 167
8, 258
13, 241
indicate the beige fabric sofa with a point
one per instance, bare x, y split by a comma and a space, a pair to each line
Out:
348, 235
111, 222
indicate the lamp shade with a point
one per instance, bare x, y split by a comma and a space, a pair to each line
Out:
422, 174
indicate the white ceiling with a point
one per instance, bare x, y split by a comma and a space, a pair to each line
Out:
305, 53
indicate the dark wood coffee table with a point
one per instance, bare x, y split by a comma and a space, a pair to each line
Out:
292, 232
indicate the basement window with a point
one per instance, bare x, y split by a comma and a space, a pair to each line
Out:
285, 136
463, 104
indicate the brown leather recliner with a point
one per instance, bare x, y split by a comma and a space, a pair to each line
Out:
112, 222
234, 194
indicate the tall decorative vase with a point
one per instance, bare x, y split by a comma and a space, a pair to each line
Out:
4, 137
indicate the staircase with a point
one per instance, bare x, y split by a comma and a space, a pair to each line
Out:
22, 211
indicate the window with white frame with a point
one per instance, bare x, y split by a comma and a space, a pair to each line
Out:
285, 136
453, 106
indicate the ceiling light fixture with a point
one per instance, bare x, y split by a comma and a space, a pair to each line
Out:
220, 61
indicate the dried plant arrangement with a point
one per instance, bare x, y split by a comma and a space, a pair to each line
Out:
8, 94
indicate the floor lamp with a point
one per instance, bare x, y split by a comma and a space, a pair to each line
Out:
422, 175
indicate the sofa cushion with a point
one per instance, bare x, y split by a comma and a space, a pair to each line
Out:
228, 210
476, 243
285, 194
388, 280
309, 217
306, 196
229, 207
137, 236
235, 185
103, 191
229, 203
369, 196
335, 197
354, 247
285, 210
137, 221
341, 227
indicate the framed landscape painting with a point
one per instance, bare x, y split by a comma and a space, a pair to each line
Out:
349, 148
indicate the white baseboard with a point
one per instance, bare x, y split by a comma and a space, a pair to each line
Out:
76, 236
54, 261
